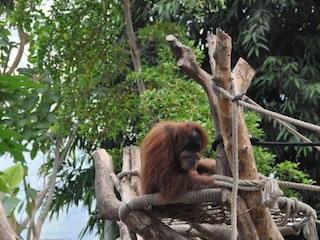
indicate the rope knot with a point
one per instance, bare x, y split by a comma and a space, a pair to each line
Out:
310, 230
238, 97
271, 193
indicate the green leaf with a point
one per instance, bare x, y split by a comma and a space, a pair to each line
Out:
18, 82
13, 175
31, 192
31, 102
10, 203
29, 207
3, 184
8, 133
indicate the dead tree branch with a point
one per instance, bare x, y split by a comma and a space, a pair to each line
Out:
241, 76
23, 37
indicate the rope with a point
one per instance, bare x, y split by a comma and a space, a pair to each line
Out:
301, 186
127, 174
224, 94
186, 229
289, 128
290, 206
293, 206
272, 191
256, 142
281, 117
145, 201
235, 171
256, 185
288, 144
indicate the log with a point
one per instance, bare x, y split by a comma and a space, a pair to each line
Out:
150, 227
223, 78
130, 182
222, 162
6, 232
107, 202
245, 224
261, 216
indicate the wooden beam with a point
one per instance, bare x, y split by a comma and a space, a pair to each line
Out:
242, 75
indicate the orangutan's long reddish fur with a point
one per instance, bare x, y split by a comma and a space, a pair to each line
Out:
161, 171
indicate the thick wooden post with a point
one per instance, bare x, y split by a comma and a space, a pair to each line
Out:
261, 216
242, 75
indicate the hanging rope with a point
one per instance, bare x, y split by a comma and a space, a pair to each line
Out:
285, 125
293, 206
235, 171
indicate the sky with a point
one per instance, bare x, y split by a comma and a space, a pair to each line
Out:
69, 225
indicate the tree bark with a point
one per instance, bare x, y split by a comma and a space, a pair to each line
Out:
245, 224
130, 182
23, 37
134, 51
150, 227
6, 232
222, 163
247, 166
107, 202
243, 75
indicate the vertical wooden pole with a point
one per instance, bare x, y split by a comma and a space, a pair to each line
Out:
261, 216
265, 228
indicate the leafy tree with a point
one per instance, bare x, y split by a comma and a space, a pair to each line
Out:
89, 95
26, 120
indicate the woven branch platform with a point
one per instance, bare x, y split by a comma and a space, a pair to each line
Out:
212, 206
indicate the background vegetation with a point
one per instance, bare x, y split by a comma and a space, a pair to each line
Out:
79, 92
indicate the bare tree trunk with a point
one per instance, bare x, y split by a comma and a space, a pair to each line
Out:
246, 227
134, 51
222, 76
6, 232
247, 165
60, 156
23, 37
107, 201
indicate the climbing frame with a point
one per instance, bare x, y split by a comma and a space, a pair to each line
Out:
245, 203
234, 83
204, 214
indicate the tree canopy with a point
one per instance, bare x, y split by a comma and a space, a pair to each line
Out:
79, 91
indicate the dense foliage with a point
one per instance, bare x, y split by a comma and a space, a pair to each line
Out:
80, 76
